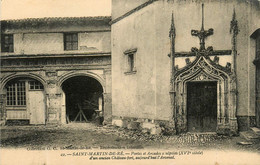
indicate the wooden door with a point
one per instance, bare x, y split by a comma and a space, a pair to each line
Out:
37, 107
202, 106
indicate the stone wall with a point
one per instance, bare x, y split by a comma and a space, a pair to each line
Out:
53, 76
120, 7
39, 54
145, 94
52, 43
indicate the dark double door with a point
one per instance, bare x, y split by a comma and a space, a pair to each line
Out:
202, 106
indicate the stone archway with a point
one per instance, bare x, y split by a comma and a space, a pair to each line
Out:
71, 74
9, 77
82, 99
202, 69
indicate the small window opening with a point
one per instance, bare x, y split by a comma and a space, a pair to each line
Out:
7, 43
70, 41
35, 85
131, 61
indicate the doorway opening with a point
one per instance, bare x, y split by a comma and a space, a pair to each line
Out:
202, 106
83, 99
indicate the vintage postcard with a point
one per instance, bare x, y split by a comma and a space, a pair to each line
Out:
130, 82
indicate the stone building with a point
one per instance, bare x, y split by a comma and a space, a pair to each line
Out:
177, 66
190, 65
55, 70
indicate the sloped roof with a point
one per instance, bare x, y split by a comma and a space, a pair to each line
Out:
58, 19
48, 23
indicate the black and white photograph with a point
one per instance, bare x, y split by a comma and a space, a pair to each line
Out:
173, 82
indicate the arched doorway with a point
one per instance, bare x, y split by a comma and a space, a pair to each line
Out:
205, 98
25, 100
83, 101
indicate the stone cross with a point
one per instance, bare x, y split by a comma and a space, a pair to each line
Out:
202, 34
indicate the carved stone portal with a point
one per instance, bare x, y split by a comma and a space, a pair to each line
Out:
203, 69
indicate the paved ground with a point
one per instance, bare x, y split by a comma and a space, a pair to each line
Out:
90, 135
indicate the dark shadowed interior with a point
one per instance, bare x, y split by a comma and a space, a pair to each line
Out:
82, 93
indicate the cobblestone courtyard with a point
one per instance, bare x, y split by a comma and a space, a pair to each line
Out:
91, 136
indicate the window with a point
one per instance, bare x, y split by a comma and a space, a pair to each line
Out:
35, 85
7, 43
70, 41
130, 61
16, 94
16, 91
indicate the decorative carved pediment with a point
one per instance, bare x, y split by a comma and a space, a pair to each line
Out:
202, 68
202, 76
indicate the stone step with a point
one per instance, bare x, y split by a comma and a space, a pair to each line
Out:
202, 133
249, 135
256, 130
244, 143
2, 122
79, 125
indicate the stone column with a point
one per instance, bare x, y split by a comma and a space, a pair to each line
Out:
53, 99
107, 96
2, 107
234, 30
63, 107
233, 101
107, 108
